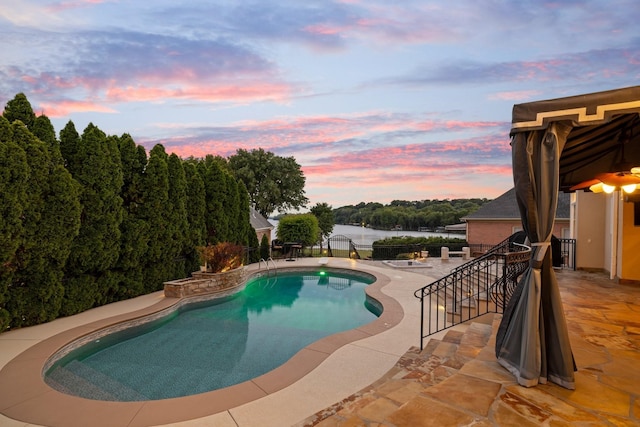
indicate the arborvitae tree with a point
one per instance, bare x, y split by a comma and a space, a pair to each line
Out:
70, 147
14, 174
44, 131
96, 250
19, 108
155, 197
264, 247
253, 247
249, 233
196, 203
6, 134
244, 214
215, 217
177, 216
135, 230
50, 220
134, 161
232, 210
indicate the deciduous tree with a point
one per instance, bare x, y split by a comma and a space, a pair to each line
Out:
273, 182
326, 220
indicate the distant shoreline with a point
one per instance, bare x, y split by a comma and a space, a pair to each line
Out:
366, 236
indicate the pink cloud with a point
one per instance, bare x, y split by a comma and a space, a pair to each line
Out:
325, 29
68, 5
255, 91
65, 108
522, 95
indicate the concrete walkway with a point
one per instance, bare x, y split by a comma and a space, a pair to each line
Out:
345, 371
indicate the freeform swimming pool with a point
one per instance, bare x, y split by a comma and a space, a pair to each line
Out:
218, 343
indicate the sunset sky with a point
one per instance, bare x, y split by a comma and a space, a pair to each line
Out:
376, 100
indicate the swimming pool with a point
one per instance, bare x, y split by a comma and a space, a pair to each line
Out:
209, 345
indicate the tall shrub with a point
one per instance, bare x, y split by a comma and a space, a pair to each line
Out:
50, 219
14, 174
215, 190
302, 228
153, 211
97, 168
177, 216
134, 229
196, 207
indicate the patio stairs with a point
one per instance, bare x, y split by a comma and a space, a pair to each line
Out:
478, 296
482, 285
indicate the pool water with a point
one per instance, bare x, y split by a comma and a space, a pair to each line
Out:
210, 345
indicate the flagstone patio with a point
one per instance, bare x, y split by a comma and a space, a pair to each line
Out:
456, 380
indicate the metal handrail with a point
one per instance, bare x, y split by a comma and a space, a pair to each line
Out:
479, 286
266, 263
275, 266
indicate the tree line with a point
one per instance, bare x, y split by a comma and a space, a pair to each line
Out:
88, 219
410, 215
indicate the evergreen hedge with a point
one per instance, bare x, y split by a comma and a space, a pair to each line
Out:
90, 219
405, 246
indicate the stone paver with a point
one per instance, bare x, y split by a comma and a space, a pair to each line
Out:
456, 381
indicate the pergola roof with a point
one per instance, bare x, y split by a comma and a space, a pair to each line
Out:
603, 123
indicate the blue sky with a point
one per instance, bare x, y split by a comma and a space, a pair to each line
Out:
376, 100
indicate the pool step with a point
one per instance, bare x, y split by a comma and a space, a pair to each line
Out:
93, 384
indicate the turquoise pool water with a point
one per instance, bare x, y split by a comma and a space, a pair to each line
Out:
214, 344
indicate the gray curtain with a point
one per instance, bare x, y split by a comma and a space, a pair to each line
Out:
533, 340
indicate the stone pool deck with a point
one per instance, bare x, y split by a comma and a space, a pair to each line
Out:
383, 380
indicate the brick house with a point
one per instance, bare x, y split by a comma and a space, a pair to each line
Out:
500, 218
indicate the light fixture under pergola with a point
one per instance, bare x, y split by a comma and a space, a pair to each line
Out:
625, 175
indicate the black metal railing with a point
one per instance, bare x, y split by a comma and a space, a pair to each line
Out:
567, 254
344, 247
482, 285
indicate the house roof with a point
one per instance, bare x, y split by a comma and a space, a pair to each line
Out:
506, 207
258, 222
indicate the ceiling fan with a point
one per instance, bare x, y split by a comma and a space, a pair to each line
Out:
625, 175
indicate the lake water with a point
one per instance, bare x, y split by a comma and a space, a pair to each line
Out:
366, 236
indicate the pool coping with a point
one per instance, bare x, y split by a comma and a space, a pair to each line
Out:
26, 397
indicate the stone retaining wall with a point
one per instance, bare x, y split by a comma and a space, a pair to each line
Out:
205, 283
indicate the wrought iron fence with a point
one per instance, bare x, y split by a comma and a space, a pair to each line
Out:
344, 247
480, 286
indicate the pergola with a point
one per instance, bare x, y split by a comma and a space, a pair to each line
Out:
561, 144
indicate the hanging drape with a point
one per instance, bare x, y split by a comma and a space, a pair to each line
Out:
533, 341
